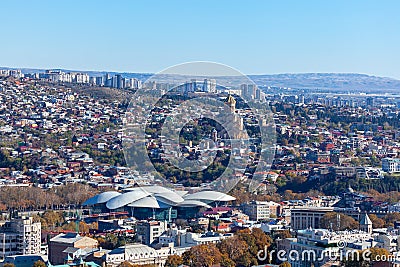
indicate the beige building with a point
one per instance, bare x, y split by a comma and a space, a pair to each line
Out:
59, 244
261, 210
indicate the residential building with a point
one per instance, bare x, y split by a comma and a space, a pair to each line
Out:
150, 231
261, 210
391, 165
139, 254
58, 246
20, 236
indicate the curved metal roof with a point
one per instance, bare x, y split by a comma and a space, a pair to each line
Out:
126, 198
181, 192
156, 189
209, 196
157, 197
146, 202
193, 203
101, 198
163, 194
170, 198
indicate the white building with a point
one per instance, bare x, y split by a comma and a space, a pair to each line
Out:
148, 232
193, 239
139, 254
391, 165
305, 217
318, 246
20, 237
260, 210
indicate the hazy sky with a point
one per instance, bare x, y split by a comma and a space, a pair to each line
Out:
256, 37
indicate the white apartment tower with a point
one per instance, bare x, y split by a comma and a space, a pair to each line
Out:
20, 237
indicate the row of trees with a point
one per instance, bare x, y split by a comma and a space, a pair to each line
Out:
38, 263
339, 221
32, 198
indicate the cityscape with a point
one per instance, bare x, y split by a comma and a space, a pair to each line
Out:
200, 134
334, 177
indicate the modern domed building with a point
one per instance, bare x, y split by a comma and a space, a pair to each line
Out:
156, 202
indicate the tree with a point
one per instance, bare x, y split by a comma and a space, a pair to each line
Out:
202, 256
234, 248
377, 253
39, 263
358, 260
391, 218
226, 261
283, 234
338, 221
83, 227
173, 261
110, 241
256, 240
376, 222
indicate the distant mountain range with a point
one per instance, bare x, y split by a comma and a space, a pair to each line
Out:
343, 81
322, 81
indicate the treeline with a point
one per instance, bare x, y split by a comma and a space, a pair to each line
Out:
386, 189
33, 198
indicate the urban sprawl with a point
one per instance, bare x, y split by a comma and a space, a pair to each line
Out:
68, 198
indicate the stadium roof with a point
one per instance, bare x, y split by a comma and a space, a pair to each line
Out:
157, 197
193, 203
209, 196
126, 198
101, 198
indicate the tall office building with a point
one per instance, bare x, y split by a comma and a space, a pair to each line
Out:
243, 89
108, 80
135, 83
370, 102
119, 81
100, 81
301, 99
249, 91
209, 86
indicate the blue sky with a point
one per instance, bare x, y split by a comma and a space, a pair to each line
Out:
256, 37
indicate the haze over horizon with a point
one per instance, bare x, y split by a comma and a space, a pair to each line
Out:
247, 74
